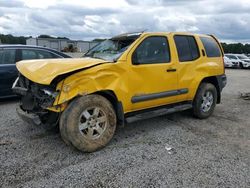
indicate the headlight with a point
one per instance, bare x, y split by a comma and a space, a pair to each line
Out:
15, 83
52, 94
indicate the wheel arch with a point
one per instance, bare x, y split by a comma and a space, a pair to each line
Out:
117, 105
213, 80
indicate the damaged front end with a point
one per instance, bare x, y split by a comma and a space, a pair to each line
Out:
35, 100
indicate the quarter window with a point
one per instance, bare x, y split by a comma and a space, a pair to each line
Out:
152, 50
186, 47
211, 47
8, 56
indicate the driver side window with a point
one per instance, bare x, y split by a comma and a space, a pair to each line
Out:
152, 50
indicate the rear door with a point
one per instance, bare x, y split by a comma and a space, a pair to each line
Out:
8, 71
188, 57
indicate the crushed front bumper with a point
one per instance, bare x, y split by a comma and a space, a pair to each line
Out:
28, 117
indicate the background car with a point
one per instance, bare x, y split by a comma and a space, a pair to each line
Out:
245, 61
10, 54
228, 62
231, 60
242, 60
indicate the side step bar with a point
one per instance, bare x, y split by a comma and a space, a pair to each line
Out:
158, 112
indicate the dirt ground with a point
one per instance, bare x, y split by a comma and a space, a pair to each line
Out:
205, 153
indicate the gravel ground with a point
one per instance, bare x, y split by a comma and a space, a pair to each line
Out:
205, 153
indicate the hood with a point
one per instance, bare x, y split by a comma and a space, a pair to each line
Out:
44, 71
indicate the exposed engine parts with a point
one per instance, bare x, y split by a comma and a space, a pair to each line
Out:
35, 97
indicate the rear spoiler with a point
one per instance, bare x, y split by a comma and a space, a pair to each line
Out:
221, 49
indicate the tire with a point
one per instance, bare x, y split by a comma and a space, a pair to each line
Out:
205, 101
88, 123
241, 66
62, 128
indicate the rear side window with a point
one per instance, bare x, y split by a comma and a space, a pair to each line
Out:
8, 56
36, 54
28, 54
45, 54
186, 47
211, 47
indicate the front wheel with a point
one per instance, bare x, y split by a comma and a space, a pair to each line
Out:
205, 101
88, 123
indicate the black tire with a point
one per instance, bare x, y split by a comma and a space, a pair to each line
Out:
62, 128
198, 110
72, 116
241, 66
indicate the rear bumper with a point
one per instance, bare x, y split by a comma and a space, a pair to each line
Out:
222, 81
27, 117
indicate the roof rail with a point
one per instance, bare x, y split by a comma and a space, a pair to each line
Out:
129, 34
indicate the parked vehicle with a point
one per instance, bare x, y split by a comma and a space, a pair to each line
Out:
231, 61
245, 61
124, 79
242, 60
10, 54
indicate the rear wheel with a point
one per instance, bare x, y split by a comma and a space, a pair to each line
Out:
205, 101
88, 123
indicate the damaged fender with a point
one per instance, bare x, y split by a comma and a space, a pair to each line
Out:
95, 79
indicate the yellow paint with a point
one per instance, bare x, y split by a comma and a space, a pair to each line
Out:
123, 78
44, 71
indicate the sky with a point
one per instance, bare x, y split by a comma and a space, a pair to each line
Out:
229, 20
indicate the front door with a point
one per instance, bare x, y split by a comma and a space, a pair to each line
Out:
153, 76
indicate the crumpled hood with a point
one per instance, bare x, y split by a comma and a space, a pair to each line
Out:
45, 70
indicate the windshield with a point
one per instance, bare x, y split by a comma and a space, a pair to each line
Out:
242, 57
111, 49
231, 56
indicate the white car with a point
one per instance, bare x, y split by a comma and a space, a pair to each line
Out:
228, 62
231, 61
243, 60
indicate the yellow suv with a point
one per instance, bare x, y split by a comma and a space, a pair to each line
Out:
123, 79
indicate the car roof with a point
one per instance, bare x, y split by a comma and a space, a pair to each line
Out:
137, 34
33, 47
177, 33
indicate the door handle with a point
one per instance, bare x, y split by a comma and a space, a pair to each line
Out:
171, 70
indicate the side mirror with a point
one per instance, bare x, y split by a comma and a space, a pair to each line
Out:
135, 58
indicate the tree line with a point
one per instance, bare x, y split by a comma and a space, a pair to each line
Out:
236, 48
10, 39
228, 48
